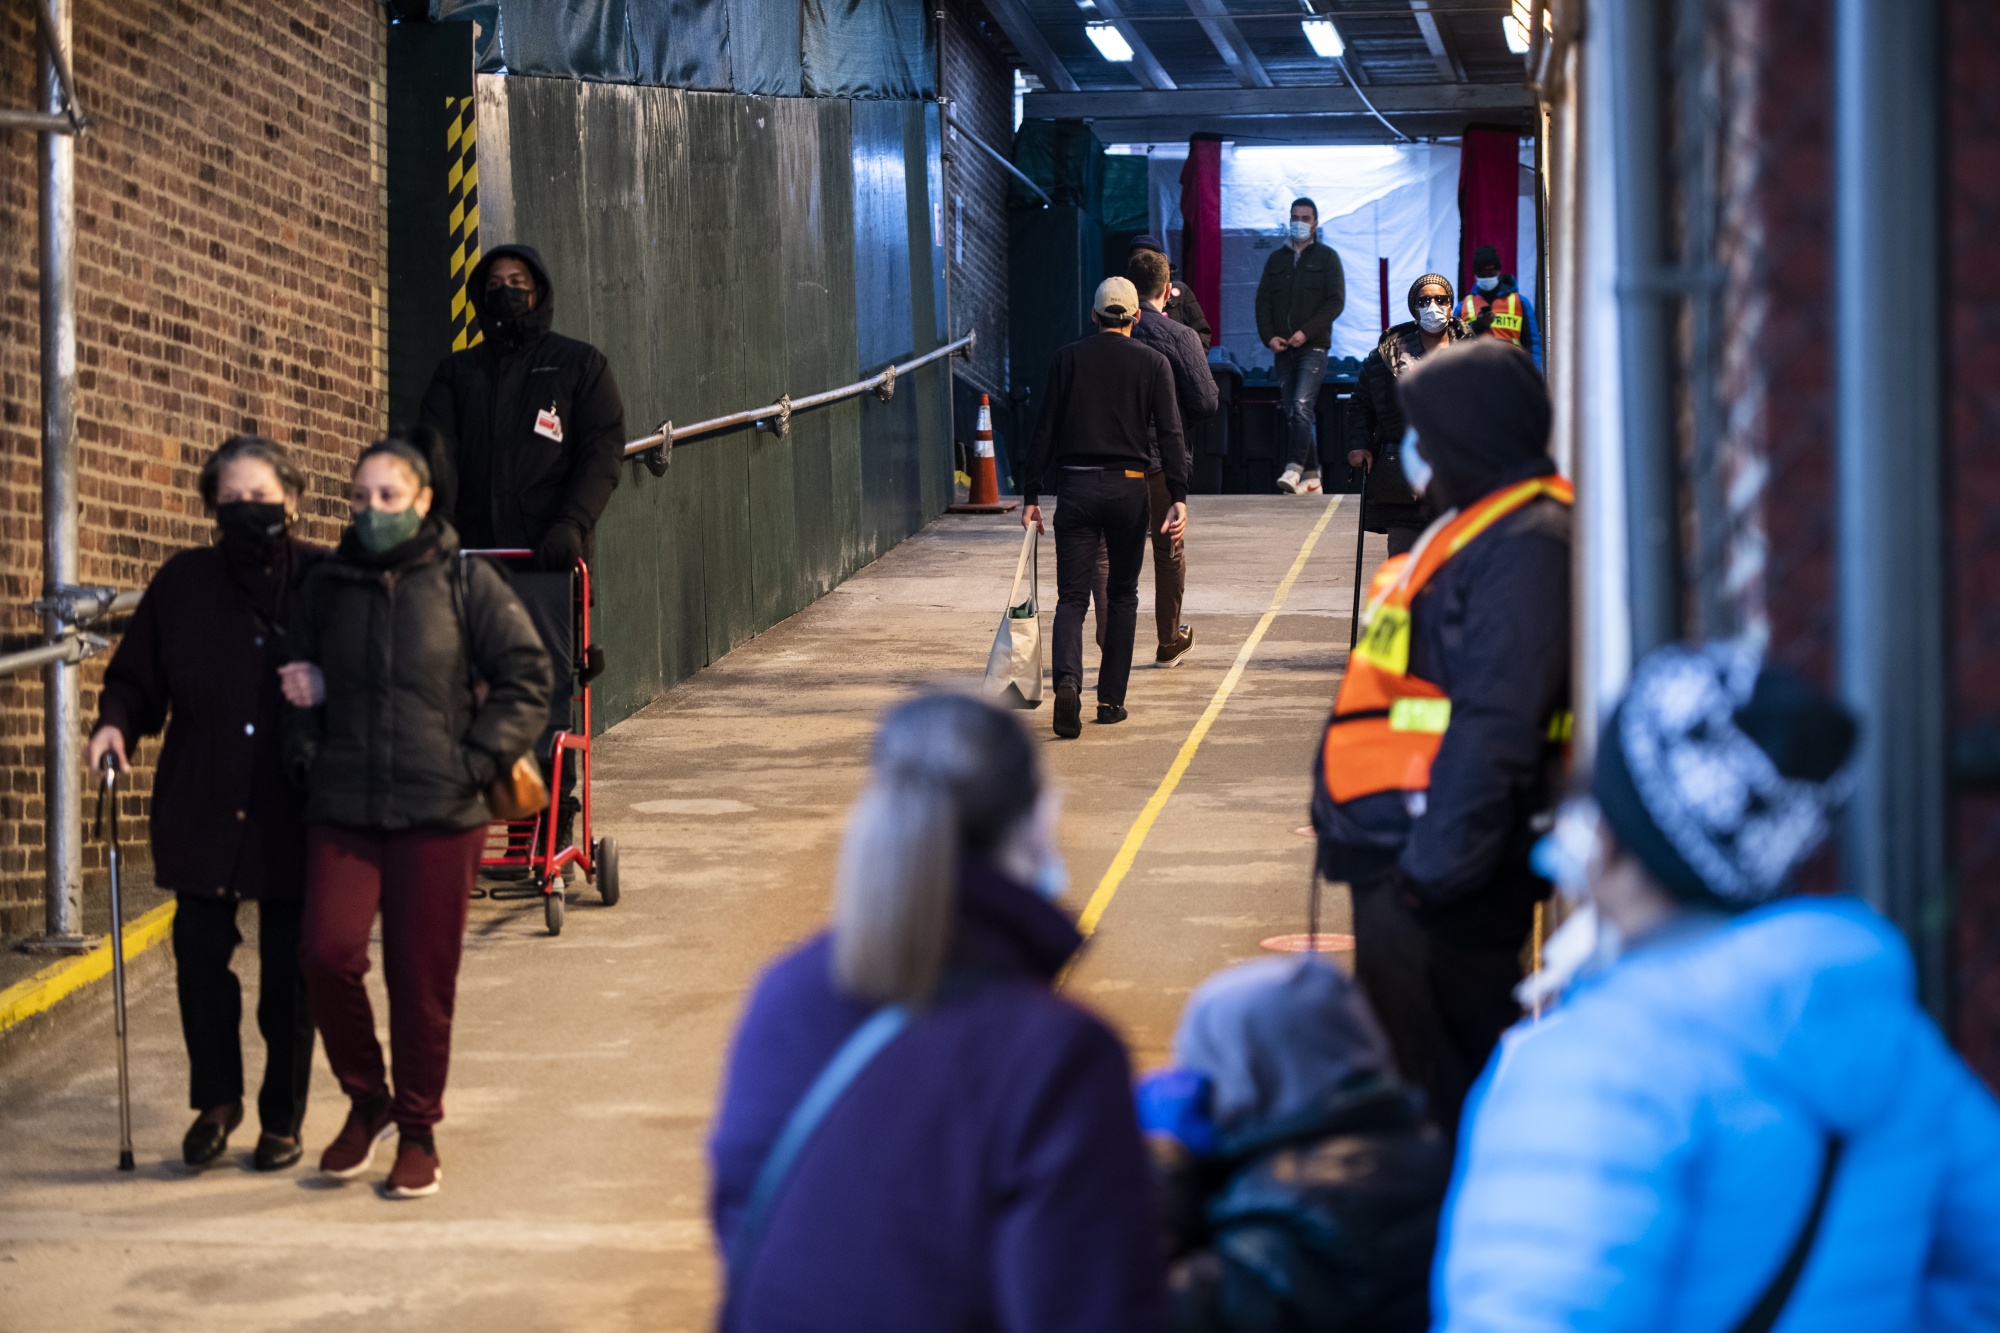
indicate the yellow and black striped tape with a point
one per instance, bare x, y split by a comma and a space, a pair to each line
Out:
462, 152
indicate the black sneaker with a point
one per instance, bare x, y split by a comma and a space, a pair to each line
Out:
1172, 654
1069, 712
1109, 713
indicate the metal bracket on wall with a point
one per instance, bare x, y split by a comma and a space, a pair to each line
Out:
779, 422
887, 388
661, 456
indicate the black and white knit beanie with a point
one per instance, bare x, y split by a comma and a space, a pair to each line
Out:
1721, 774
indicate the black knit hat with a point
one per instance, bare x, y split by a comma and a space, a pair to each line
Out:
1429, 280
1720, 774
1483, 256
1482, 414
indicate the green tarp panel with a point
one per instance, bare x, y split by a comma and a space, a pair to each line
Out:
1126, 177
713, 245
1064, 158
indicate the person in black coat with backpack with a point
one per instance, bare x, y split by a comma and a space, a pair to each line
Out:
201, 659
417, 680
1300, 1182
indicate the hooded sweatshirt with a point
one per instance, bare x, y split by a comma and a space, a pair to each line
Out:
532, 423
1645, 1158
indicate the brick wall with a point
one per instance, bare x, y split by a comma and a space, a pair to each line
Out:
1972, 470
230, 206
980, 84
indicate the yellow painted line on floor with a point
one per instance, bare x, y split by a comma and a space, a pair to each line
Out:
1135, 837
25, 999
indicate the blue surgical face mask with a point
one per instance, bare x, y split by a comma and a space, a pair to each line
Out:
1299, 230
1416, 470
1052, 876
1487, 284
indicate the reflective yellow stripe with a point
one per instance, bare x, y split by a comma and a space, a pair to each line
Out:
1386, 641
1430, 716
1560, 727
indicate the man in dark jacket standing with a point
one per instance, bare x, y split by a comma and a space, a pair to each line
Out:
1445, 742
534, 432
1302, 292
1108, 398
1195, 395
1181, 306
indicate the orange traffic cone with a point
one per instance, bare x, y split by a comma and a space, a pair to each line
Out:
985, 497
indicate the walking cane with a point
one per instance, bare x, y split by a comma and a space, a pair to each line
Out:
110, 788
1360, 537
1312, 908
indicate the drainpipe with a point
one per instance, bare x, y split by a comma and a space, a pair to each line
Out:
947, 219
1888, 395
1632, 50
62, 778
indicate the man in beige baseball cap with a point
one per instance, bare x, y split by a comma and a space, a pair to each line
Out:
1108, 400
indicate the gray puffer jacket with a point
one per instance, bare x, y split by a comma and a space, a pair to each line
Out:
401, 741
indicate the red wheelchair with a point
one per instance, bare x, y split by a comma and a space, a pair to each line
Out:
525, 850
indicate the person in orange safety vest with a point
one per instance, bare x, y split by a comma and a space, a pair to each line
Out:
1494, 306
1447, 737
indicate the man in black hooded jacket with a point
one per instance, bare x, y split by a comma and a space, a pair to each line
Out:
532, 431
1443, 892
531, 421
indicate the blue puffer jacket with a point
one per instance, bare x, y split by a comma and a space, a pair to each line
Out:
1645, 1158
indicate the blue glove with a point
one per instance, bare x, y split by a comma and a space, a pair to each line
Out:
1174, 1102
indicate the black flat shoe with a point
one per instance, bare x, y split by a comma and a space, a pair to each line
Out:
208, 1139
1069, 712
1109, 713
275, 1154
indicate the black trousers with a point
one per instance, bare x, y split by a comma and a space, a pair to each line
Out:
1169, 569
205, 936
1442, 1002
550, 600
1107, 508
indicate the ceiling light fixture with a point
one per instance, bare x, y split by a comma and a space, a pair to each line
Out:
1110, 42
1325, 38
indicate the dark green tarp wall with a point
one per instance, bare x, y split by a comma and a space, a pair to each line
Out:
713, 244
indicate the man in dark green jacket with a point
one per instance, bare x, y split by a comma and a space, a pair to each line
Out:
1302, 292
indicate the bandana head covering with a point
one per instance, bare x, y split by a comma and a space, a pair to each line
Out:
1720, 774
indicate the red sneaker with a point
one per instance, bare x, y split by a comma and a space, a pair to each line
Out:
416, 1174
353, 1149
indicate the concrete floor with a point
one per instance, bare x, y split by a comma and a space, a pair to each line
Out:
585, 1066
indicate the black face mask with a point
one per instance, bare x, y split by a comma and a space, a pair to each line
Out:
512, 304
250, 527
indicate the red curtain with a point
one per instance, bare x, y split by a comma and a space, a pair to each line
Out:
1201, 224
1489, 198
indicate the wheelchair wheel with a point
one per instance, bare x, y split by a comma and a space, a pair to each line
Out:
605, 858
552, 910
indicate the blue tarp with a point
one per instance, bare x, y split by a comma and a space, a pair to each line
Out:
873, 49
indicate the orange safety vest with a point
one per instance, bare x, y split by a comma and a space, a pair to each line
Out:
1387, 724
1509, 315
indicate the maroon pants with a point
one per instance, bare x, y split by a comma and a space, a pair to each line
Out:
419, 879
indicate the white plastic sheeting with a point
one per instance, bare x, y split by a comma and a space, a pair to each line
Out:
1398, 201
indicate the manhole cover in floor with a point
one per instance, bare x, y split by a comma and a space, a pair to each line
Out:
1304, 943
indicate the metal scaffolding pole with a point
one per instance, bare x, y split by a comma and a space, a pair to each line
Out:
62, 791
1887, 390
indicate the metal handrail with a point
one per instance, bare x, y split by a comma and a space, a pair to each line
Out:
777, 417
999, 157
73, 644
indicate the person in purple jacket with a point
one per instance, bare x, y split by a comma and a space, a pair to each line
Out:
984, 1169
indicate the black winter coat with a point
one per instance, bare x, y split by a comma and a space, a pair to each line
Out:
1184, 310
1375, 422
400, 742
534, 432
1194, 383
1322, 1224
200, 659
1301, 293
1492, 629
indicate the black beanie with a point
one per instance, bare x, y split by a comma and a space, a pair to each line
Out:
1483, 256
1719, 774
1482, 413
1429, 280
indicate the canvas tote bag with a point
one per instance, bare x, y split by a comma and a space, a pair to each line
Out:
1014, 667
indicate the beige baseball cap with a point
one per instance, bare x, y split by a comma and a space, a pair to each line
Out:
1117, 299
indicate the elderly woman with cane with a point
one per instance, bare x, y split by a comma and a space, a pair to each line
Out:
418, 680
201, 659
917, 1133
